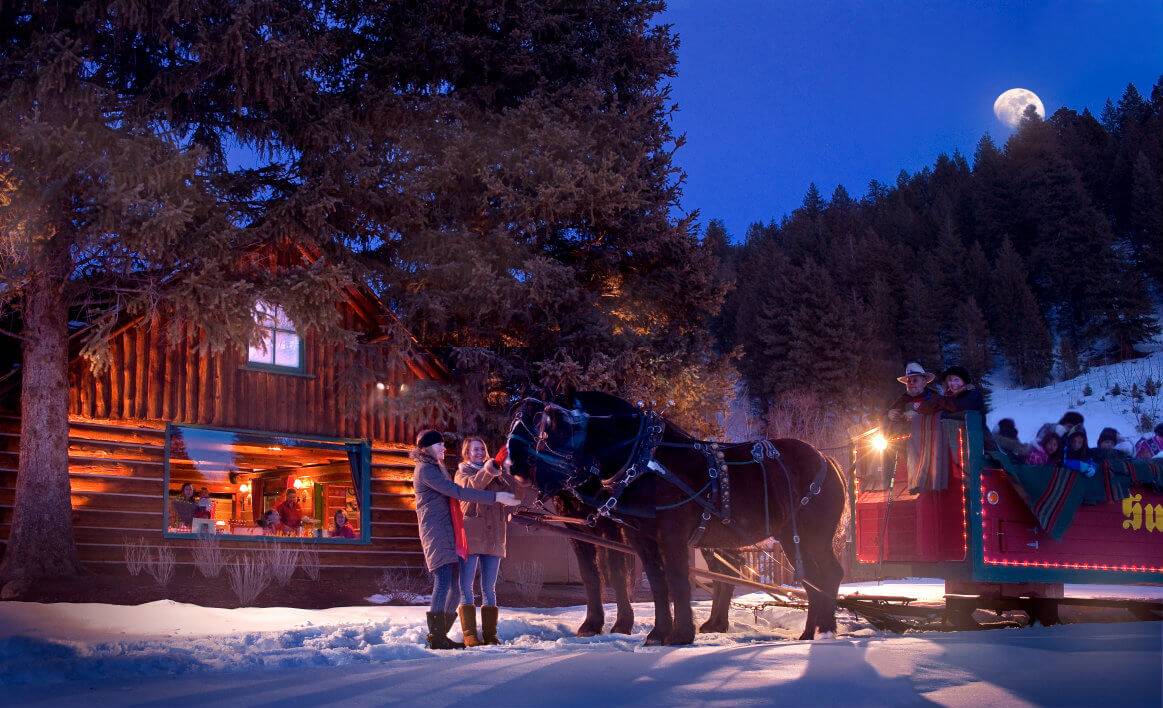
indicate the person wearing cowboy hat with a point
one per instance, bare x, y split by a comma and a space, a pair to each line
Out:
960, 395
917, 389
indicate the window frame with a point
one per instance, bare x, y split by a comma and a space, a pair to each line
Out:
313, 441
274, 329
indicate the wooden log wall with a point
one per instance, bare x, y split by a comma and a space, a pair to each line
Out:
148, 379
116, 473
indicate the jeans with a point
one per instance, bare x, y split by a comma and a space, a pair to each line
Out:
490, 567
445, 593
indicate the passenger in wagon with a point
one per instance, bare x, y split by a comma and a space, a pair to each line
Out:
1149, 447
960, 395
1006, 437
342, 528
442, 536
1047, 450
486, 526
290, 512
1078, 456
1111, 446
917, 389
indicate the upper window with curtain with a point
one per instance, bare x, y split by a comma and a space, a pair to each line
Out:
279, 346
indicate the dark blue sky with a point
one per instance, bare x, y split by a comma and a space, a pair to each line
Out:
776, 94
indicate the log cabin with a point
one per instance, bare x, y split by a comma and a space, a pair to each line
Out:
171, 439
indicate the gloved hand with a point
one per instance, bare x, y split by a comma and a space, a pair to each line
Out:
507, 498
503, 453
1089, 469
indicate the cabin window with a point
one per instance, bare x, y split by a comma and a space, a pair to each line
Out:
242, 485
279, 347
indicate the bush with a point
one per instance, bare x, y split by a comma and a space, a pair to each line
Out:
309, 561
248, 577
1146, 424
1151, 387
161, 566
403, 587
1087, 390
208, 556
136, 555
1116, 390
281, 559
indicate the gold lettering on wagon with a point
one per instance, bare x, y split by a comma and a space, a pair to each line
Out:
1137, 513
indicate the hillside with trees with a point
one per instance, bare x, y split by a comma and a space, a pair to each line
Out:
1038, 259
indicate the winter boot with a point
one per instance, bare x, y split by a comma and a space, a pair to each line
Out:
449, 620
489, 624
468, 625
438, 632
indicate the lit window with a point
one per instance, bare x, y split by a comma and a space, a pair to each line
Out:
279, 344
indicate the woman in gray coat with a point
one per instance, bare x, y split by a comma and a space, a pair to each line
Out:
436, 497
486, 526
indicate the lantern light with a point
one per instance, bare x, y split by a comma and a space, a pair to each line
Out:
879, 442
381, 385
244, 488
298, 484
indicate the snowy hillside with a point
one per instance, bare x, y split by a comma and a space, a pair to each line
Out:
1091, 395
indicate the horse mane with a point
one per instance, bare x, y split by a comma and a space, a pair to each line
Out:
597, 402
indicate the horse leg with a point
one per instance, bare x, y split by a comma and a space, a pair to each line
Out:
587, 564
720, 592
652, 565
619, 569
811, 576
831, 574
676, 564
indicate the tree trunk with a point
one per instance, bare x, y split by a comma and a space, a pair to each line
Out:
41, 544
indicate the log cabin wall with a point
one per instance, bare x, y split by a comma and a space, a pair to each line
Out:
117, 435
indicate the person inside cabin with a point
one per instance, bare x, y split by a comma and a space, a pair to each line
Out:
272, 523
1047, 449
1006, 437
203, 505
183, 505
342, 528
960, 395
290, 511
1111, 445
1077, 454
486, 526
442, 537
1150, 446
917, 389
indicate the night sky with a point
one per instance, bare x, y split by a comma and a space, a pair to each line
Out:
775, 95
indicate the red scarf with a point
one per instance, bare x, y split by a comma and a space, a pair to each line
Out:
458, 528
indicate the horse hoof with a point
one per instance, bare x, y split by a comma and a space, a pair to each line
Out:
679, 639
808, 635
710, 627
588, 631
619, 628
656, 638
826, 635
652, 642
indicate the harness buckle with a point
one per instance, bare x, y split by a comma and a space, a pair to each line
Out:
706, 516
804, 501
713, 473
814, 488
607, 506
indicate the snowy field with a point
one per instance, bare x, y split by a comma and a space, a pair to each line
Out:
165, 653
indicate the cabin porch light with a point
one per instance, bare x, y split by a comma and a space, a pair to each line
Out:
244, 488
380, 385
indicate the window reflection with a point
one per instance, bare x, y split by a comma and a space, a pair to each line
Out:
246, 484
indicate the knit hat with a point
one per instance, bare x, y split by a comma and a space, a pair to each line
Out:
1071, 419
428, 438
960, 372
1108, 434
1006, 428
1047, 431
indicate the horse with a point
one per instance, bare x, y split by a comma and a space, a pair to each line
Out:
669, 491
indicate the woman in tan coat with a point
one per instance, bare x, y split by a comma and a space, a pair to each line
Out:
486, 526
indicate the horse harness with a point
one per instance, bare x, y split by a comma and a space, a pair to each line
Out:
714, 497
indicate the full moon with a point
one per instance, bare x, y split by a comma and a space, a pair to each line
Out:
1010, 106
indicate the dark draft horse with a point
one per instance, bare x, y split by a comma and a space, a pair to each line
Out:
668, 491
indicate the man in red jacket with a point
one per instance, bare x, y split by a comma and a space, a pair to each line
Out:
290, 513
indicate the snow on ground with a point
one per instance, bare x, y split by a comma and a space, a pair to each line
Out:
1030, 408
163, 653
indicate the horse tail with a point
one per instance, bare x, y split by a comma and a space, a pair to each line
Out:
838, 539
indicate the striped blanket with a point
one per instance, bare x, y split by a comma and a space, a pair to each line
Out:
932, 444
1054, 494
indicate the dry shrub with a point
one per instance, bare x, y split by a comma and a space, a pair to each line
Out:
802, 415
208, 555
281, 559
402, 587
248, 576
528, 578
309, 561
136, 555
161, 567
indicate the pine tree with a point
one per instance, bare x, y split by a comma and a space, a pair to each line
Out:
972, 338
1146, 219
1017, 321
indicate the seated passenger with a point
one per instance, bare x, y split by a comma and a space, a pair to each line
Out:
1047, 450
1110, 446
342, 528
1149, 447
1077, 454
290, 512
1006, 437
916, 381
960, 396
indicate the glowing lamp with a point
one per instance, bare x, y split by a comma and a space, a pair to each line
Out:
879, 442
380, 385
244, 488
298, 484
219, 523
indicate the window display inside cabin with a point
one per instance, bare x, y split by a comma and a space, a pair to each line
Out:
246, 484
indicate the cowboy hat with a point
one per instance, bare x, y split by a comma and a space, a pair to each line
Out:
915, 369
